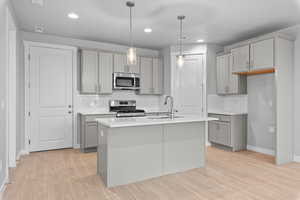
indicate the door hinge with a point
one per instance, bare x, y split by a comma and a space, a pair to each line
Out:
29, 141
29, 57
29, 114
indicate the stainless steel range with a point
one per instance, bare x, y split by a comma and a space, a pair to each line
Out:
125, 108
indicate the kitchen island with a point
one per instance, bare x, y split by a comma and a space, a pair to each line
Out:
136, 149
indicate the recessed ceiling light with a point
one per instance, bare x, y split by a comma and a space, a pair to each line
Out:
39, 28
38, 2
200, 41
147, 30
73, 15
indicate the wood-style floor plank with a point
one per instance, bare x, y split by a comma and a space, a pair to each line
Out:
71, 175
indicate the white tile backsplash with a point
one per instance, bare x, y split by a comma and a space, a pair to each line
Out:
101, 101
236, 103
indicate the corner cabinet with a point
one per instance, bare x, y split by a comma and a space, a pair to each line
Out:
96, 72
151, 71
227, 82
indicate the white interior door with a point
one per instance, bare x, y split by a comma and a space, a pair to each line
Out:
189, 86
50, 98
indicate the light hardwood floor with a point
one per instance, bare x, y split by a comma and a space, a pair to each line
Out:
71, 175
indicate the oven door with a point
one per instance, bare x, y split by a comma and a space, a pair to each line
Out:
124, 81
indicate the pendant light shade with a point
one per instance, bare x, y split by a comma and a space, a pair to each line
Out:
180, 57
131, 53
131, 56
180, 60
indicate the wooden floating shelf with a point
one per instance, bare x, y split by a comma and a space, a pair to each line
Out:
256, 72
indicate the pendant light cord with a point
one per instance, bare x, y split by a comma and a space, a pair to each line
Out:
131, 43
180, 39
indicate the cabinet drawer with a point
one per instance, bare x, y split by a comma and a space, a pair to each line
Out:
92, 118
225, 118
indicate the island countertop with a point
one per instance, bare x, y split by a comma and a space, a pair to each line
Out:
148, 120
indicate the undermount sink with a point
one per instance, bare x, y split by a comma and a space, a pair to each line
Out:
165, 117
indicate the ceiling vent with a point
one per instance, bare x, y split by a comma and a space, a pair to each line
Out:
38, 2
39, 28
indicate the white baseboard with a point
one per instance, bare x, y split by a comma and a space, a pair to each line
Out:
22, 153
296, 158
261, 150
76, 146
3, 186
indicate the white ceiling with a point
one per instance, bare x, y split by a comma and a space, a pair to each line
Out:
216, 21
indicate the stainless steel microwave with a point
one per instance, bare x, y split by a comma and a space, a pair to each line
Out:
126, 81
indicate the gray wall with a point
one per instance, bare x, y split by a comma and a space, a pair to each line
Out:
261, 111
297, 97
3, 118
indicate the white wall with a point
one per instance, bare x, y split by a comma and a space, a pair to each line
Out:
261, 112
231, 103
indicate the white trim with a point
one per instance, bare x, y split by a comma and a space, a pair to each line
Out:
12, 96
27, 45
296, 158
22, 153
76, 146
3, 187
261, 150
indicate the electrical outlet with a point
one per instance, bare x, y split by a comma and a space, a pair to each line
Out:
271, 129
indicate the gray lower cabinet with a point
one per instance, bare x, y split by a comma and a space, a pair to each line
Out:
229, 131
88, 131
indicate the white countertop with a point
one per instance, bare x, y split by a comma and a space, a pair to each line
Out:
222, 112
146, 121
95, 112
90, 111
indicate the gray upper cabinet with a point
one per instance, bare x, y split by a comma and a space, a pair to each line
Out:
262, 54
241, 59
135, 68
157, 76
151, 71
96, 72
223, 74
146, 69
120, 63
89, 72
228, 82
105, 72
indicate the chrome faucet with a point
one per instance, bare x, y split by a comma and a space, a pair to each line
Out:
171, 109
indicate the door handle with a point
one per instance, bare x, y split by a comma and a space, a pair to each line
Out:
70, 112
69, 106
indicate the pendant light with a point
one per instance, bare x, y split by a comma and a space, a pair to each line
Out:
180, 57
131, 53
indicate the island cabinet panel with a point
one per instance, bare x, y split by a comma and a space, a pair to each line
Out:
134, 154
184, 147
